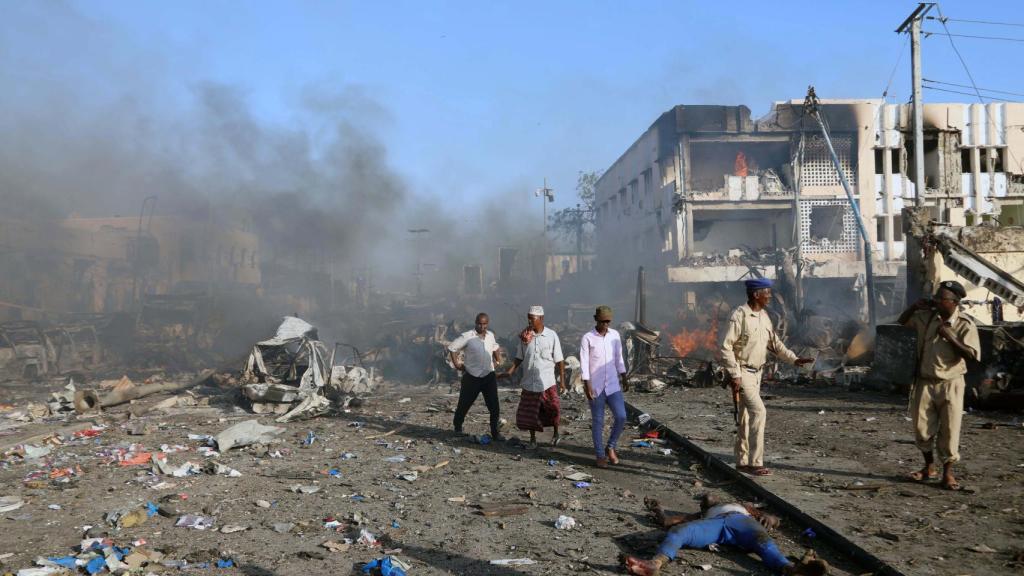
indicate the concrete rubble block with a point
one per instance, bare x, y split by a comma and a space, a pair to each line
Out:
246, 433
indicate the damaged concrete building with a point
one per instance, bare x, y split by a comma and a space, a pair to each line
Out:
708, 195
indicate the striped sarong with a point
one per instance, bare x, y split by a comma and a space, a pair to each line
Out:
538, 409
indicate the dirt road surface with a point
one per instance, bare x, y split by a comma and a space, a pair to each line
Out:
356, 463
842, 457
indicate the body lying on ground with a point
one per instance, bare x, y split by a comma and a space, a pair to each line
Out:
738, 524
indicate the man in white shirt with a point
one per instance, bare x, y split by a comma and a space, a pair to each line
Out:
480, 355
540, 354
603, 369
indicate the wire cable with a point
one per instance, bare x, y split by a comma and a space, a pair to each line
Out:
897, 65
937, 89
993, 23
989, 121
966, 86
974, 36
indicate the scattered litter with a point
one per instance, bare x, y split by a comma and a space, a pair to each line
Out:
32, 452
705, 567
386, 566
458, 499
367, 538
395, 459
195, 522
283, 527
870, 419
552, 462
263, 504
579, 477
582, 484
10, 503
641, 444
232, 528
513, 562
218, 469
335, 546
186, 469
565, 523
310, 439
982, 549
348, 456
404, 400
409, 476
665, 451
300, 489
246, 433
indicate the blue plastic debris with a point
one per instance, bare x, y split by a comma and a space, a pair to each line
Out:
582, 484
552, 462
394, 524
310, 438
225, 563
65, 561
358, 497
151, 509
383, 566
96, 565
485, 439
334, 472
641, 444
809, 533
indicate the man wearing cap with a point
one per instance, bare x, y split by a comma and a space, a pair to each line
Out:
946, 339
540, 354
748, 338
480, 356
604, 379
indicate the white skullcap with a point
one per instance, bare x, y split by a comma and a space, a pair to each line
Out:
536, 310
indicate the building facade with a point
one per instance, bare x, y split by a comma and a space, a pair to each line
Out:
707, 193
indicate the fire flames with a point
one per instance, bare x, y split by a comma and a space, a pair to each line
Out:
689, 341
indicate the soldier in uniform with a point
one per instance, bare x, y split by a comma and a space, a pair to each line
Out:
946, 339
748, 338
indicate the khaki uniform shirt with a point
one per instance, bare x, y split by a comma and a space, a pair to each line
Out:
749, 337
938, 359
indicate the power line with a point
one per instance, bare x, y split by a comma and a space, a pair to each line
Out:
959, 92
897, 65
976, 37
958, 55
988, 117
966, 86
1021, 25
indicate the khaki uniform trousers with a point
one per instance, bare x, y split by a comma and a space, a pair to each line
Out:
937, 408
749, 448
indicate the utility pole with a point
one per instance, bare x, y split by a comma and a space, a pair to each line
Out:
915, 265
546, 195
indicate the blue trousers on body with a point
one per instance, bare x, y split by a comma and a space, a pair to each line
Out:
738, 530
618, 406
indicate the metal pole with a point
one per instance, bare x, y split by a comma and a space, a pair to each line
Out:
812, 100
915, 57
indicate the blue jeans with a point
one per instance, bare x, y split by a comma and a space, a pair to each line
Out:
736, 529
618, 406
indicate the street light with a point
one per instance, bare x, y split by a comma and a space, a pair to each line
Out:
546, 195
417, 232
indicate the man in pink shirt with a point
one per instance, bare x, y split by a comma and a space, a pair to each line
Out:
604, 378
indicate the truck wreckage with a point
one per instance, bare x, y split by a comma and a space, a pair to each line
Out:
294, 374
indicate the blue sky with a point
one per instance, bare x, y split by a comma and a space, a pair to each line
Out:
477, 100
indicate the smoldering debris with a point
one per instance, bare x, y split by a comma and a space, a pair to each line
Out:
293, 374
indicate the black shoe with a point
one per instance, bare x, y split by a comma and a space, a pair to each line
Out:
459, 432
